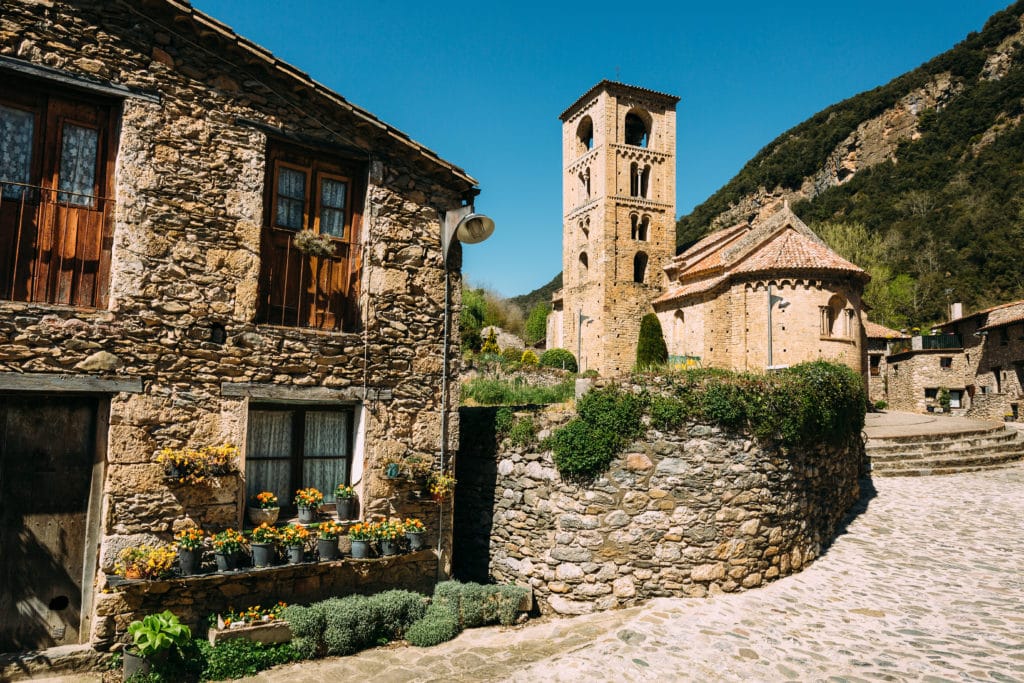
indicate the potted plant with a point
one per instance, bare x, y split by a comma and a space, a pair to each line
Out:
418, 467
308, 501
388, 534
146, 562
360, 535
294, 538
190, 546
414, 530
264, 508
327, 534
313, 244
441, 485
183, 465
345, 499
392, 467
221, 460
227, 546
153, 637
262, 540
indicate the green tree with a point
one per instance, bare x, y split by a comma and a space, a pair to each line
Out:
537, 323
650, 348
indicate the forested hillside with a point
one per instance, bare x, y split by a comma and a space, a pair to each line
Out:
919, 181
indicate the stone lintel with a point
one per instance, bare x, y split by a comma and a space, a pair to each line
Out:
45, 382
280, 392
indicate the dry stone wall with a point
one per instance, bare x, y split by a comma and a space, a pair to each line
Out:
689, 513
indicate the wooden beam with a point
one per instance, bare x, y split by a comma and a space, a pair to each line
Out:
23, 68
44, 382
290, 394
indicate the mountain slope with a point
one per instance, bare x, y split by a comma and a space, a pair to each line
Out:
920, 181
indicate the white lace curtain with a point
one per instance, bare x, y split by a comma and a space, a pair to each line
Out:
270, 452
77, 180
16, 131
291, 197
332, 207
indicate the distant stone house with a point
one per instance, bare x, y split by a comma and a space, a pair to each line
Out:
978, 359
880, 340
752, 297
155, 170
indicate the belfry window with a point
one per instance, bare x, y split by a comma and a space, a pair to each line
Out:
636, 130
640, 267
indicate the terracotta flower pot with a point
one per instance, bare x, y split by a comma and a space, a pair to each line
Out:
258, 516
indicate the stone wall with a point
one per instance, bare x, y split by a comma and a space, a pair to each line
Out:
194, 598
911, 373
189, 185
690, 513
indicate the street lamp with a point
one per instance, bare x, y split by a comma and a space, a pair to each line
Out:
772, 301
465, 226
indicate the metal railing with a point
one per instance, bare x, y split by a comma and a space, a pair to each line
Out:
54, 245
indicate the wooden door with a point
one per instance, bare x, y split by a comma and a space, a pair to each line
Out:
47, 449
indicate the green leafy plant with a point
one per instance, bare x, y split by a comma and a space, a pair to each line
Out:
559, 358
523, 432
650, 348
529, 358
157, 633
492, 391
537, 323
242, 657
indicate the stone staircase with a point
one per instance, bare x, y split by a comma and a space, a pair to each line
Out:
945, 453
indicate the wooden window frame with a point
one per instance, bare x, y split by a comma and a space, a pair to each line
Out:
60, 251
298, 442
311, 291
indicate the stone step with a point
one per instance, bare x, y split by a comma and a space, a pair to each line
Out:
923, 472
977, 460
965, 451
926, 440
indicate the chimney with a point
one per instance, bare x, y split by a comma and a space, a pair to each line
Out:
956, 311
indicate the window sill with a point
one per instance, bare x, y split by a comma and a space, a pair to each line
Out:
841, 340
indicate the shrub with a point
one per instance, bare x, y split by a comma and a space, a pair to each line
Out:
511, 354
242, 657
490, 345
559, 358
650, 347
529, 358
667, 413
522, 432
587, 444
504, 418
881, 405
491, 391
537, 322
397, 610
438, 625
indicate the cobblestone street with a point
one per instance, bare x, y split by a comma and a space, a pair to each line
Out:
926, 583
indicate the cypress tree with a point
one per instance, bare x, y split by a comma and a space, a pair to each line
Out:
650, 348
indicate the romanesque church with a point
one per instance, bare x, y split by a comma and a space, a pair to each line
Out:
753, 296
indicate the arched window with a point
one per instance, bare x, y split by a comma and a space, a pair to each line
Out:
585, 134
834, 323
634, 180
678, 330
583, 267
645, 182
585, 226
640, 267
634, 226
642, 229
585, 183
637, 128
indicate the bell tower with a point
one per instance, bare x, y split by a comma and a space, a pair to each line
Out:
618, 221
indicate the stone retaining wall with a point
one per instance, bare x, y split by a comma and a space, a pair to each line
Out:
688, 513
194, 598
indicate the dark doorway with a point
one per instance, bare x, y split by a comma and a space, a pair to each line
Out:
47, 452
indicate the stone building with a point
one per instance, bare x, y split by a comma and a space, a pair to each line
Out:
156, 172
978, 359
747, 297
618, 204
880, 340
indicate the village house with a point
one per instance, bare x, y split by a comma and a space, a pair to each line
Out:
748, 297
973, 365
201, 245
879, 342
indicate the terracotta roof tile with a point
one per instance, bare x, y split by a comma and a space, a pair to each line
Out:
789, 250
875, 331
1004, 315
678, 291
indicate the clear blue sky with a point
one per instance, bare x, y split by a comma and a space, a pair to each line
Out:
483, 83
